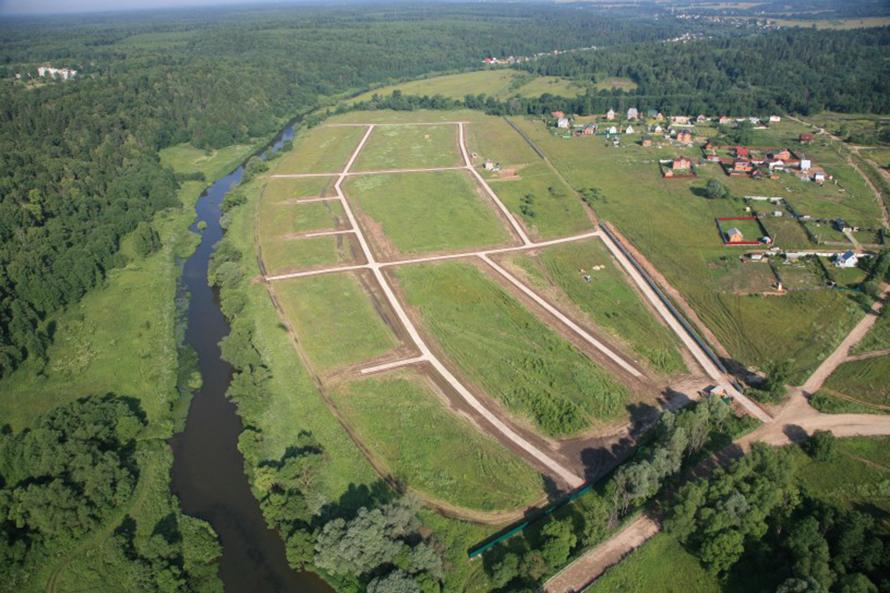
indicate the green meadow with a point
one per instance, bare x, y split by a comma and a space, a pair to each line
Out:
409, 147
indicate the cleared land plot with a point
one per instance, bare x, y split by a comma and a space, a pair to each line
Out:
551, 85
661, 565
607, 299
787, 232
323, 149
335, 320
455, 86
409, 147
547, 207
401, 419
866, 380
493, 138
412, 213
505, 349
803, 274
673, 226
878, 337
283, 219
289, 190
281, 255
615, 82
744, 278
749, 228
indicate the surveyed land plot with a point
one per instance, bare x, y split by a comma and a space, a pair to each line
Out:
509, 352
409, 147
865, 380
335, 320
585, 275
410, 213
284, 219
322, 149
282, 255
678, 235
404, 423
294, 190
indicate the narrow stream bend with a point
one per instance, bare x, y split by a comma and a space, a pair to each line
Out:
208, 469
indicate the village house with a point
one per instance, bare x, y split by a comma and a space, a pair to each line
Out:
557, 114
488, 165
563, 123
805, 138
817, 174
841, 225
734, 235
741, 152
657, 129
629, 130
701, 118
741, 167
647, 141
681, 164
63, 73
805, 163
774, 119
613, 130
847, 259
724, 120
633, 114
680, 119
684, 137
589, 130
610, 114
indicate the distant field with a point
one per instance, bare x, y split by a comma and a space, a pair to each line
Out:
614, 82
494, 83
409, 147
607, 299
429, 448
551, 85
505, 349
334, 319
853, 23
420, 212
673, 225
185, 158
492, 138
322, 149
865, 380
661, 565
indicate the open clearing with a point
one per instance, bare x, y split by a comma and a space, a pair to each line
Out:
334, 319
505, 349
321, 149
550, 85
421, 212
404, 422
282, 255
409, 147
282, 190
878, 337
495, 83
281, 219
607, 299
866, 380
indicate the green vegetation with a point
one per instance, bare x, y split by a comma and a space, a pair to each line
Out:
401, 419
323, 149
661, 565
866, 380
495, 83
211, 163
278, 220
420, 212
550, 85
409, 147
511, 354
607, 299
283, 190
334, 319
878, 337
616, 82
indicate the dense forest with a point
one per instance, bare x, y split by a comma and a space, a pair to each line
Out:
78, 159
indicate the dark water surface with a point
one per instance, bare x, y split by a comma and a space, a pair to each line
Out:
208, 469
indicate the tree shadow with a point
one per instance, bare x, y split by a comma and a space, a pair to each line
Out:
795, 433
355, 497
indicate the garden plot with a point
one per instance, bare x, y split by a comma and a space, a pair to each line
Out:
410, 147
409, 213
405, 424
336, 321
323, 149
506, 350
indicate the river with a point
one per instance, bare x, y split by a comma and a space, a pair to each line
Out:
208, 469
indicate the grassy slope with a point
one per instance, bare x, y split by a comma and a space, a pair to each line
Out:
409, 147
608, 299
428, 211
865, 380
678, 235
402, 420
508, 351
334, 319
877, 338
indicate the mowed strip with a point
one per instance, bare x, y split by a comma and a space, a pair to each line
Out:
403, 422
409, 147
584, 274
423, 212
506, 350
334, 319
321, 149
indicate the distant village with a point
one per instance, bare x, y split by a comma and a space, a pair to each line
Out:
50, 72
509, 60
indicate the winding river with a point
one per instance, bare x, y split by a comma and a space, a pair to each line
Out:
208, 469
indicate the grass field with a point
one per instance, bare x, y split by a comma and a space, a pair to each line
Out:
323, 149
865, 380
494, 83
677, 235
661, 565
420, 212
509, 352
433, 450
803, 274
607, 299
787, 233
185, 158
615, 82
282, 219
283, 190
287, 255
878, 337
851, 23
334, 319
550, 85
493, 138
409, 147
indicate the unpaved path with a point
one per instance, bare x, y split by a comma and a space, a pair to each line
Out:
872, 354
841, 353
